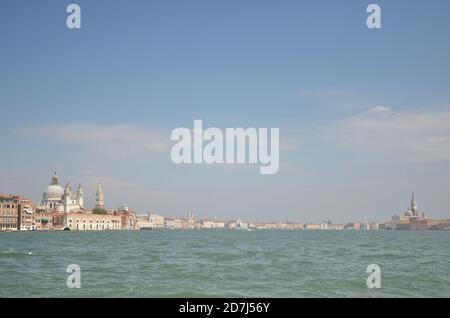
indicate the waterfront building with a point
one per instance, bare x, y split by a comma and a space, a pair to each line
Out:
325, 224
374, 226
156, 220
443, 224
336, 226
231, 224
44, 220
57, 198
16, 213
189, 222
310, 226
91, 221
208, 224
220, 224
127, 216
411, 219
172, 223
143, 223
295, 226
241, 225
417, 223
63, 209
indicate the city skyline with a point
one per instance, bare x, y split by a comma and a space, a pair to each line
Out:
64, 200
364, 115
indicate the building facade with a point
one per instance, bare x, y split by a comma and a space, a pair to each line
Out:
16, 213
156, 220
91, 222
411, 219
128, 217
63, 209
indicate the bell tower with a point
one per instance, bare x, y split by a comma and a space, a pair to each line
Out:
67, 197
80, 196
414, 205
99, 199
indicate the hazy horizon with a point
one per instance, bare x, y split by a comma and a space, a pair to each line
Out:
364, 115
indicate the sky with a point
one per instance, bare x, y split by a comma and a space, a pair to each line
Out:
364, 114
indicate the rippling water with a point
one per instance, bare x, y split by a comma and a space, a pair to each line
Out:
225, 263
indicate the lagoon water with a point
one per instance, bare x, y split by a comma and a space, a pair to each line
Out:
225, 263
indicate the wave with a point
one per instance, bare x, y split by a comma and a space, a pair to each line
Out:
12, 251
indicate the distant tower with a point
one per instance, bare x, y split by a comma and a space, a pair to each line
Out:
67, 197
189, 215
413, 205
80, 196
99, 199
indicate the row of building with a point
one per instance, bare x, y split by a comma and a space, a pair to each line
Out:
63, 209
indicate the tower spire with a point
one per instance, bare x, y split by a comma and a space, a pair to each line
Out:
413, 205
99, 199
80, 196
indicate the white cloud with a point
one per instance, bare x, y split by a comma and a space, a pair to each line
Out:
418, 134
379, 109
119, 140
114, 140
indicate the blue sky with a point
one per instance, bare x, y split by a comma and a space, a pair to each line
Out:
364, 115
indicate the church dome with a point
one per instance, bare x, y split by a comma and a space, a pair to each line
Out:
54, 191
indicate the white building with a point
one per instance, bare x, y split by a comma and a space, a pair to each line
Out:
172, 223
57, 198
156, 221
208, 224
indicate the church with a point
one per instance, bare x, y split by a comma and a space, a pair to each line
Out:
57, 198
63, 209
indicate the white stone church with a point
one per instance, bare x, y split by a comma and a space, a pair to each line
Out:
57, 198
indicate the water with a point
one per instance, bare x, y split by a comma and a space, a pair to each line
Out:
225, 263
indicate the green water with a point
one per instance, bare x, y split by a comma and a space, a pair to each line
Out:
227, 263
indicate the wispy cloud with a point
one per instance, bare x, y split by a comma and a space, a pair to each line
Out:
119, 140
379, 109
116, 140
418, 134
338, 99
119, 191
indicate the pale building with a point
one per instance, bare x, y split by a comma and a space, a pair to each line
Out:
172, 223
128, 217
63, 209
208, 224
16, 213
310, 226
157, 221
91, 222
57, 198
241, 225
411, 219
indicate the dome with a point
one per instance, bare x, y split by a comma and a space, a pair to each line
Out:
54, 191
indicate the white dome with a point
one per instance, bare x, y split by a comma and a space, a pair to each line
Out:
53, 191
